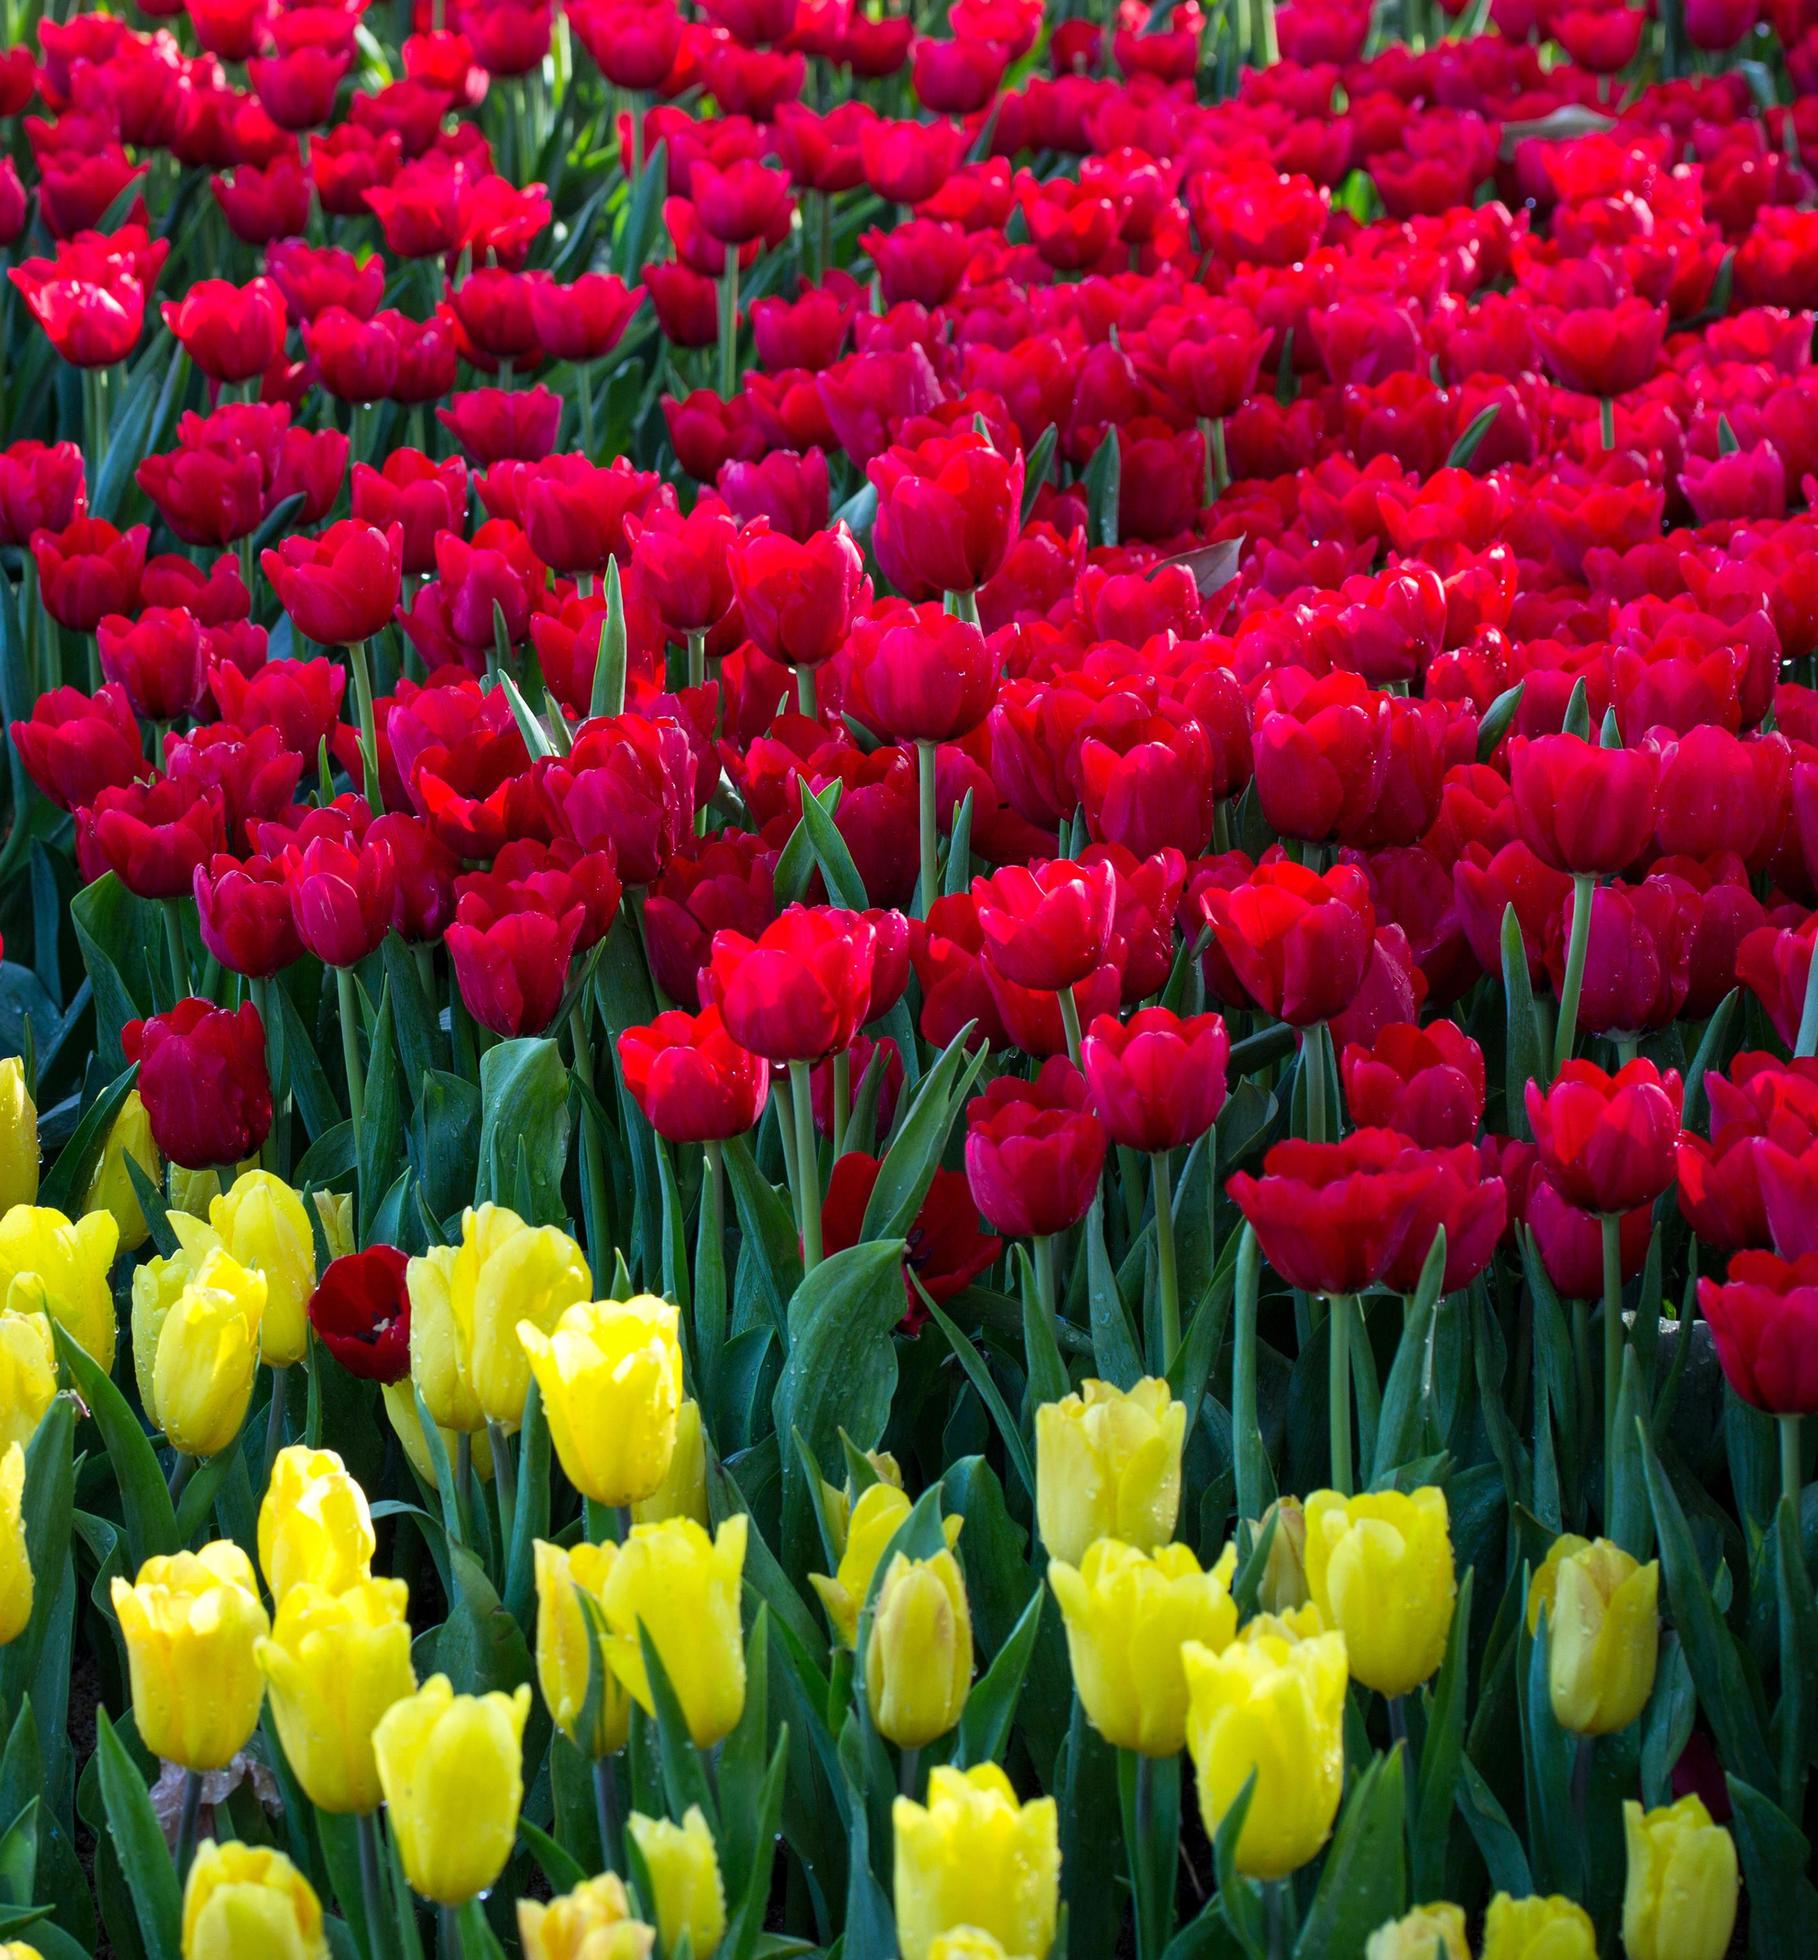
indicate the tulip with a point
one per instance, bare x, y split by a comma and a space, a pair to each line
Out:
801, 989
334, 1662
683, 1588
1426, 1082
565, 1653
18, 1137
1332, 1217
1274, 1710
261, 1221
452, 1771
1034, 1152
1297, 943
340, 588
15, 1561
1379, 1568
1583, 808
245, 1898
870, 1525
684, 1869
192, 1623
918, 1659
1680, 1900
969, 1943
441, 1344
947, 511
611, 1381
975, 1857
314, 1525
1128, 1614
506, 1274
203, 1076
110, 1187
593, 1922
1538, 1929
361, 1313
50, 1265
401, 1412
1763, 1318
1107, 1465
691, 1080
1157, 1081
205, 1354
683, 1491
1603, 1626
1607, 1140
28, 1374
76, 745
797, 597
1434, 1932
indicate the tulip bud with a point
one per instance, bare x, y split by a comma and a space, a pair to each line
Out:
976, 1858
242, 1898
1538, 1929
191, 1623
611, 1381
1284, 1578
440, 1345
314, 1524
28, 1374
593, 1922
969, 1943
684, 1588
262, 1222
875, 1520
1426, 1933
1275, 1710
1127, 1614
1680, 1902
335, 1210
15, 1564
49, 1264
401, 1412
683, 1491
1603, 1626
207, 1355
918, 1660
838, 1502
452, 1771
684, 1873
18, 1137
564, 1651
1107, 1465
1380, 1570
334, 1663
111, 1188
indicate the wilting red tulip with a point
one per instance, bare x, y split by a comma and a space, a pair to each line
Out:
797, 599
947, 510
1583, 808
230, 332
341, 897
692, 1081
1607, 1140
361, 1313
203, 1080
1426, 1082
944, 1248
1298, 943
76, 745
1034, 1151
510, 956
1046, 926
244, 912
1331, 1217
801, 989
88, 570
1157, 1081
340, 587
1765, 1322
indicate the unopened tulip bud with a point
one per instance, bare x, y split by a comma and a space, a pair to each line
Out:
684, 1588
875, 1520
918, 1660
1380, 1570
1680, 1902
1284, 1578
974, 1857
15, 1565
684, 1870
244, 1898
1427, 1933
57, 1265
262, 1222
565, 1651
1107, 1465
1603, 1628
18, 1137
208, 1355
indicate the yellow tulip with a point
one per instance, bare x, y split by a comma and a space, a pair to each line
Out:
15, 1564
1379, 1568
969, 1943
564, 1653
207, 1356
51, 1264
439, 1359
1127, 1614
192, 1192
314, 1523
976, 1858
452, 1770
157, 1286
1680, 1903
683, 1491
111, 1187
684, 1873
18, 1950
262, 1222
875, 1519
593, 1922
684, 1588
1603, 1627
1538, 1929
401, 1412
243, 1899
1296, 1624
18, 1137
1423, 1934
506, 1272
1276, 1709
611, 1381
335, 1209
1284, 1577
334, 1663
28, 1374
838, 1500
1107, 1465
918, 1660
192, 1623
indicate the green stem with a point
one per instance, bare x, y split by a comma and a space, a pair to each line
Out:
369, 733
807, 1166
806, 694
1584, 885
606, 1812
964, 605
1167, 1267
697, 659
842, 1100
173, 945
463, 1478
180, 1473
1044, 1280
372, 1886
729, 324
593, 1149
187, 1820
1612, 1353
1581, 1368
1791, 1482
350, 1055
274, 1418
504, 1480
1069, 1013
1313, 1061
1341, 1308
925, 756
910, 1777
1806, 1042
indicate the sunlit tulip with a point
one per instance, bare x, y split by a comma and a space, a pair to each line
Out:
15, 1565
452, 1770
439, 1345
593, 1922
314, 1523
684, 1588
1107, 1465
1680, 1901
192, 1623
1603, 1629
1379, 1568
611, 1381
684, 1870
51, 1264
244, 1898
263, 1223
975, 1857
564, 1651
918, 1660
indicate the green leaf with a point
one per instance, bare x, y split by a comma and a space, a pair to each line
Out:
979, 1375
1497, 1844
138, 1841
984, 1725
1113, 1345
608, 693
1776, 1859
151, 1524
119, 936
1441, 1752
767, 1227
1103, 480
638, 227
914, 1155
1555, 1830
562, 1871
479, 1646
1036, 465
524, 1096
1524, 1061
1711, 1048
536, 736
1364, 1881
1401, 1427
844, 885
1497, 717
1461, 452
684, 1775
65, 1184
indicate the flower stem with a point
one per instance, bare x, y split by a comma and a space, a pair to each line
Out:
806, 695
186, 1822
606, 1811
925, 755
350, 1056
504, 1480
842, 1100
593, 1149
1583, 885
1069, 1013
1167, 1268
173, 943
180, 1473
1338, 1389
807, 1166
729, 324
1612, 1353
1044, 1279
1791, 1484
369, 734
697, 659
274, 1418
1313, 1062
910, 1779
372, 1886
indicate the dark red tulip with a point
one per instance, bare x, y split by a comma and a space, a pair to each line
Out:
203, 1080
1607, 1140
75, 745
1426, 1082
1469, 1206
1331, 1217
151, 835
1760, 1100
1046, 926
1147, 781
1583, 808
627, 784
88, 570
1034, 1151
947, 510
1298, 943
1321, 752
157, 658
340, 587
1638, 963
1569, 1240
341, 897
692, 1081
1765, 1321
243, 906
42, 487
798, 991
420, 496
944, 1248
584, 319
1157, 1081
797, 599
510, 956
361, 1313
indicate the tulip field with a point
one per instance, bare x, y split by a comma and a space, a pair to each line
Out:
909, 1037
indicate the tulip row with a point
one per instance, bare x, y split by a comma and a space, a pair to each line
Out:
847, 1108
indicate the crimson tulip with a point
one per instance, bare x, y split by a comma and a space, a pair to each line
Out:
1426, 1082
230, 332
1156, 1081
1297, 942
1583, 808
928, 676
340, 587
796, 598
691, 1080
243, 907
800, 989
510, 956
1331, 1217
947, 510
1607, 1140
1046, 926
944, 1249
1034, 1151
341, 897
75, 745
203, 1080
361, 1313
88, 570
1764, 1318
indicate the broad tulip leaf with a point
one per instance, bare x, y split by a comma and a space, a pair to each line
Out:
138, 1841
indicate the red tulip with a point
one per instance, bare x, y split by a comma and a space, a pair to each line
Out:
797, 599
1638, 960
801, 989
1570, 1240
721, 881
1034, 1151
1331, 1217
628, 783
42, 487
157, 658
243, 907
361, 1313
947, 511
1046, 926
341, 897
1298, 943
203, 1080
420, 496
1583, 808
88, 570
151, 835
1156, 1081
1775, 964
944, 1248
1426, 1082
340, 587
692, 1081
1607, 1140
927, 675
1765, 1321
230, 332
510, 956
76, 745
